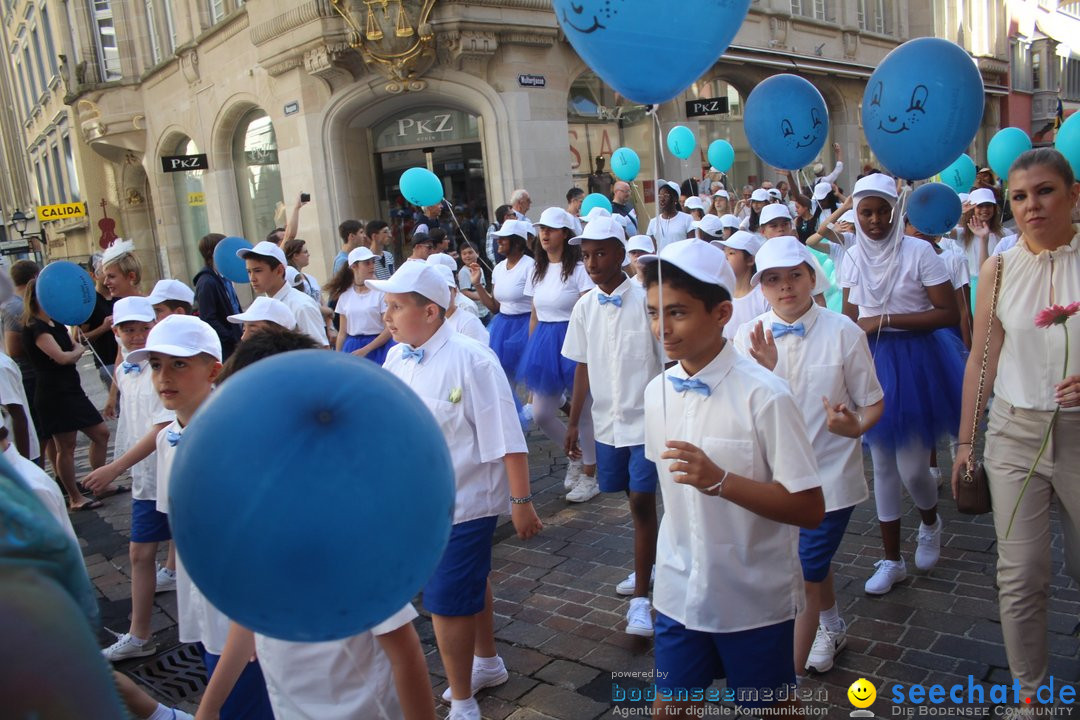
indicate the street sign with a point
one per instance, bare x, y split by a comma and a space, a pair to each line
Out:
706, 106
183, 163
14, 247
537, 81
292, 108
48, 213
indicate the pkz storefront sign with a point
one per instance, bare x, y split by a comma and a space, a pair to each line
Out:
426, 127
706, 106
183, 163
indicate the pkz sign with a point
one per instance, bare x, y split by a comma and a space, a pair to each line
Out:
183, 163
706, 106
430, 127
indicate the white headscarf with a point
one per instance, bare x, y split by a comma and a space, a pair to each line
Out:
875, 259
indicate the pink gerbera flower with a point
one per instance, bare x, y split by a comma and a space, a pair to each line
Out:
1056, 315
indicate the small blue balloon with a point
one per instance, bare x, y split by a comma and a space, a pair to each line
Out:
66, 292
354, 544
721, 155
786, 121
681, 141
1006, 145
1067, 141
934, 208
594, 200
226, 262
421, 187
960, 174
922, 107
626, 164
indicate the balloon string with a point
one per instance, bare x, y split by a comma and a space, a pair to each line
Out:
86, 342
479, 255
659, 264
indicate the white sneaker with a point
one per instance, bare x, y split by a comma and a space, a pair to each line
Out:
639, 618
127, 647
483, 678
629, 585
166, 580
889, 572
465, 710
575, 470
928, 549
825, 648
585, 490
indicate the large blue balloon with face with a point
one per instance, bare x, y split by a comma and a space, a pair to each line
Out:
786, 121
66, 292
934, 208
922, 107
648, 53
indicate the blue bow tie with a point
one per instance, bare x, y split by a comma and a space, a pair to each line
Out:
615, 300
779, 330
682, 385
416, 354
172, 437
130, 367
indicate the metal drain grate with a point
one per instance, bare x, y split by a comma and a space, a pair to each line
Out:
176, 676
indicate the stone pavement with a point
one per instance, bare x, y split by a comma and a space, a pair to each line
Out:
559, 622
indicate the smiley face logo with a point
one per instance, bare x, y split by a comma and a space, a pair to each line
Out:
587, 17
862, 693
806, 139
894, 124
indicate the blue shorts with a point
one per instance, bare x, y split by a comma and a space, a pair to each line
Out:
757, 662
458, 585
147, 524
248, 699
625, 468
818, 546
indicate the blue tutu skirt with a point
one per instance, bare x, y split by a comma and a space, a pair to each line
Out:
508, 335
922, 376
543, 368
355, 342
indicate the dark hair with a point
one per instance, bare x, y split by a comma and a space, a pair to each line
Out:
272, 235
342, 281
711, 295
175, 305
437, 236
291, 248
422, 239
755, 219
689, 187
1048, 157
574, 193
30, 302
517, 242
23, 271
347, 228
571, 256
500, 214
207, 245
423, 300
374, 226
272, 340
272, 262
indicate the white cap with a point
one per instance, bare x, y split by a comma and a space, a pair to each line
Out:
821, 190
446, 274
964, 197
556, 217
292, 275
133, 309
775, 194
662, 183
417, 277
601, 228
710, 225
596, 212
729, 221
442, 259
742, 240
698, 259
721, 193
776, 211
266, 309
179, 336
265, 249
511, 226
760, 195
979, 196
360, 254
848, 217
781, 252
694, 203
171, 290
875, 184
640, 243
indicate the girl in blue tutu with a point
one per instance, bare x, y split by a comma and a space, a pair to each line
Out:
360, 309
899, 291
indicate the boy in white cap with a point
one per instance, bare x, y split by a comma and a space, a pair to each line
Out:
636, 247
609, 338
466, 390
262, 313
729, 224
171, 296
709, 228
266, 270
826, 361
695, 206
737, 475
671, 225
457, 316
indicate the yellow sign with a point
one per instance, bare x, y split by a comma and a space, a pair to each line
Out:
47, 213
196, 199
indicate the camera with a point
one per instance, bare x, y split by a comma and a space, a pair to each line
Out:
305, 197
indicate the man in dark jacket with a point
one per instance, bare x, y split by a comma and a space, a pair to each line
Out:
215, 297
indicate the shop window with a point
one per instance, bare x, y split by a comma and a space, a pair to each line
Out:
190, 207
258, 175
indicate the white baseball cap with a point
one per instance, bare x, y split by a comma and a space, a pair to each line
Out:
964, 197
848, 217
710, 225
760, 195
133, 309
979, 196
742, 240
601, 228
595, 213
417, 277
264, 249
776, 211
821, 190
775, 194
729, 221
662, 183
721, 193
521, 228
640, 243
171, 290
556, 217
700, 260
694, 203
877, 185
360, 254
781, 252
266, 309
446, 274
179, 336
442, 259
292, 275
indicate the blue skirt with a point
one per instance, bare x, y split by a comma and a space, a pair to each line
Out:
508, 335
543, 368
355, 342
922, 376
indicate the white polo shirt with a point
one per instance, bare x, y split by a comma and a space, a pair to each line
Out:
555, 298
469, 325
13, 392
140, 410
480, 428
916, 268
363, 311
309, 319
508, 286
668, 230
623, 356
336, 680
719, 567
831, 360
43, 486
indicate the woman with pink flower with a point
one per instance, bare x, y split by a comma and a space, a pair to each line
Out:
1032, 450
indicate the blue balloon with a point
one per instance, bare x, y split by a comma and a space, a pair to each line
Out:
646, 55
960, 174
786, 121
681, 141
626, 164
301, 509
421, 187
1067, 141
66, 292
922, 107
226, 262
721, 155
1006, 145
594, 200
934, 208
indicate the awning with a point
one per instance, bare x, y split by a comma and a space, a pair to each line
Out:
1064, 30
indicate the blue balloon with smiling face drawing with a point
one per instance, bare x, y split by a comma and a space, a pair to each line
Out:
648, 53
786, 121
922, 107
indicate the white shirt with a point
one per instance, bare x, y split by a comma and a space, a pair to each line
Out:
140, 410
468, 325
553, 297
466, 304
336, 680
956, 264
831, 360
668, 230
480, 429
917, 267
508, 286
745, 309
719, 567
1008, 242
363, 311
46, 489
309, 319
623, 356
837, 252
13, 392
464, 282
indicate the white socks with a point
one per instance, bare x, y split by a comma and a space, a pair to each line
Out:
830, 619
491, 663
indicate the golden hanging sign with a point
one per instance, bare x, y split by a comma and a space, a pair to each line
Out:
394, 35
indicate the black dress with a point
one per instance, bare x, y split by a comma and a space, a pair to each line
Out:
59, 400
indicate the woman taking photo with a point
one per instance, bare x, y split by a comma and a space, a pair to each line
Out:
1024, 370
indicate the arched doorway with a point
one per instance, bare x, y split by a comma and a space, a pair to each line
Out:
258, 175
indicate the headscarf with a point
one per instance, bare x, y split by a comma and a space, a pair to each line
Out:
875, 259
